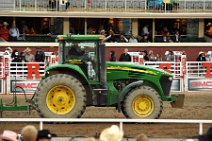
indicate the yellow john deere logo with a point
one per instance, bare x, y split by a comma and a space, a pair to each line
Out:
75, 61
130, 69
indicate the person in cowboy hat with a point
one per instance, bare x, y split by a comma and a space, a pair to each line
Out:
8, 135
142, 137
201, 56
114, 133
28, 56
29, 133
45, 135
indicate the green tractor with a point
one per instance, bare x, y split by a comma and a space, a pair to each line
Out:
83, 78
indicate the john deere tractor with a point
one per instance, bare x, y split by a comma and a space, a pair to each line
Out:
83, 78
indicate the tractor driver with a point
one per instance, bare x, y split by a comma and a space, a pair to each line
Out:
75, 52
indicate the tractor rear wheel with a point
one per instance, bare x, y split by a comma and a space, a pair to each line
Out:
60, 96
142, 102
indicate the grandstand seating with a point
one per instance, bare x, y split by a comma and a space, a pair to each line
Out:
108, 5
7, 4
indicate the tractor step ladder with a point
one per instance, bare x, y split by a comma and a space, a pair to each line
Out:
101, 95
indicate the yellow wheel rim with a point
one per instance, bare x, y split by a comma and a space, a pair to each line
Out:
60, 99
143, 106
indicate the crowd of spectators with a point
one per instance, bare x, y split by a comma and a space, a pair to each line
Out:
112, 133
25, 56
150, 56
119, 37
9, 31
203, 56
12, 32
147, 56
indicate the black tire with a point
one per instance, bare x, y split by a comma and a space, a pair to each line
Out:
53, 92
149, 97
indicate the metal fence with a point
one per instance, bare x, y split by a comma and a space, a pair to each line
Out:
108, 5
121, 122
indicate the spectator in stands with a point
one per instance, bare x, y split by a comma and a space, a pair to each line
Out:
169, 56
209, 29
52, 4
122, 39
165, 33
145, 30
209, 56
4, 32
16, 56
101, 28
8, 51
44, 135
177, 36
158, 57
166, 37
25, 28
112, 55
114, 133
39, 55
8, 135
28, 56
201, 56
29, 133
151, 56
32, 31
145, 38
125, 56
168, 4
133, 39
207, 136
22, 55
102, 32
67, 3
91, 30
142, 137
111, 37
145, 55
14, 32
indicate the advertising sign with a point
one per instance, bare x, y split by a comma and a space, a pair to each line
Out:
23, 86
197, 84
176, 85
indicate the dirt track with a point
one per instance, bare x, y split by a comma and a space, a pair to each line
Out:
197, 106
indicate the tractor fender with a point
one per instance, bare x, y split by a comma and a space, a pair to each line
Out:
68, 68
126, 89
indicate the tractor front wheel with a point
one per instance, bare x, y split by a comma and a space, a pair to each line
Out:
142, 102
60, 96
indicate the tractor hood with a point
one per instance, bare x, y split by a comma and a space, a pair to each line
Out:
128, 66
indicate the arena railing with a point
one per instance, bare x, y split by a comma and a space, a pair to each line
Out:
185, 79
184, 6
1, 69
121, 122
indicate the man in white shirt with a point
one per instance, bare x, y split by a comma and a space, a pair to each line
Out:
14, 32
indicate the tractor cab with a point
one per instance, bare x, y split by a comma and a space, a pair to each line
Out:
86, 54
83, 50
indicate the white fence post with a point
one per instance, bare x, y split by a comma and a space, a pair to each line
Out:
200, 128
41, 125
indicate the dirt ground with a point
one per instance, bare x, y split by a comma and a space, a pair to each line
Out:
197, 106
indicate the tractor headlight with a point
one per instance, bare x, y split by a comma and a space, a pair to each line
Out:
170, 78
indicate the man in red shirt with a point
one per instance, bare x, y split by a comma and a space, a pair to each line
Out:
4, 32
